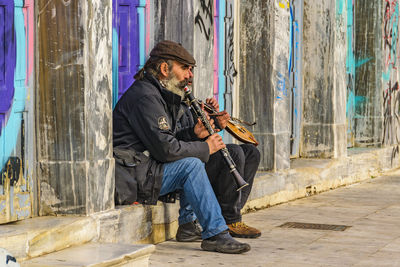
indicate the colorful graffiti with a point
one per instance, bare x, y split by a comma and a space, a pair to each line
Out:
391, 96
390, 37
16, 67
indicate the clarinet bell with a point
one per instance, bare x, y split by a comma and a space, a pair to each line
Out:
241, 183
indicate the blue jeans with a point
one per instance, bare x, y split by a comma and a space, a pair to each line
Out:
189, 177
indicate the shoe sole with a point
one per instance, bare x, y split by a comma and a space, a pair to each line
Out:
214, 248
188, 239
244, 236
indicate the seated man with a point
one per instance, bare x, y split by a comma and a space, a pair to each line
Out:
152, 159
246, 158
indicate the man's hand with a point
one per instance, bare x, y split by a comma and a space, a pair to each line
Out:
223, 117
215, 143
200, 130
213, 102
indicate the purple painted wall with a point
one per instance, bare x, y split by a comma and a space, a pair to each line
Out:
7, 55
125, 22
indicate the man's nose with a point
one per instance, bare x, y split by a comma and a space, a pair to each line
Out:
190, 73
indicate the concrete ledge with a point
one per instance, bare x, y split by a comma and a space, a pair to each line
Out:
311, 176
96, 255
37, 236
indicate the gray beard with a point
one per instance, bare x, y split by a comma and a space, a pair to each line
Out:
172, 84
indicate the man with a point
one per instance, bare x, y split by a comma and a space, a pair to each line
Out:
247, 159
152, 157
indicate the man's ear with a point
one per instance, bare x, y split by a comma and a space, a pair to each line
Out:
164, 69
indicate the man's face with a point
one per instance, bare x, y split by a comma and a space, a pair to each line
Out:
183, 73
179, 76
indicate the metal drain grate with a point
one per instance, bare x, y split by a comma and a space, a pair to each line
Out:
315, 226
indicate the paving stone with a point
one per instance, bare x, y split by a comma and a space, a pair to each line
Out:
370, 208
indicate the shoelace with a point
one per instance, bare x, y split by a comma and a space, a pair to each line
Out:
240, 225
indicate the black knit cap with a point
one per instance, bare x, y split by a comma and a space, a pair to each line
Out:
174, 51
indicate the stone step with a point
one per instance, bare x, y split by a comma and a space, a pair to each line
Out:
37, 236
95, 255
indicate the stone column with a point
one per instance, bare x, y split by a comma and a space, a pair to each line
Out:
368, 80
324, 79
74, 109
264, 94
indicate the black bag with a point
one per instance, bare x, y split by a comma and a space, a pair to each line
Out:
131, 171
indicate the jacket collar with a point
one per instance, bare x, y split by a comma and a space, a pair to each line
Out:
167, 95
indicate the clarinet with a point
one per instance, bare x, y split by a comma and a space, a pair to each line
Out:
240, 182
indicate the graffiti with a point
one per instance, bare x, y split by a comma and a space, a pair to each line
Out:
11, 171
361, 62
281, 86
17, 60
391, 96
391, 102
391, 20
391, 122
284, 3
202, 17
216, 51
230, 64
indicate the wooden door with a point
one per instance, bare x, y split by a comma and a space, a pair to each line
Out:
125, 43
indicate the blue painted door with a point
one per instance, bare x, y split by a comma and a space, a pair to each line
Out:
15, 186
125, 44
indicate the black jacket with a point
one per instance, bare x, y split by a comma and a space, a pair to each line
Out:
145, 119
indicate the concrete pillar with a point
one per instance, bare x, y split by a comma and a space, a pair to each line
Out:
264, 94
75, 164
367, 100
324, 79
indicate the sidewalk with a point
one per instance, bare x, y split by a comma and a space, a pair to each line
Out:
371, 208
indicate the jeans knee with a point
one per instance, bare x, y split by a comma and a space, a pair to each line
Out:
193, 164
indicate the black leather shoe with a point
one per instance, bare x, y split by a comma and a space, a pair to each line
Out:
189, 232
224, 243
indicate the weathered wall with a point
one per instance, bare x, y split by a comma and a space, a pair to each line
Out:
263, 93
17, 135
203, 50
324, 77
367, 97
390, 76
171, 20
75, 165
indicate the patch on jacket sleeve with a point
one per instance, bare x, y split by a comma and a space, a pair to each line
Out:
163, 123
